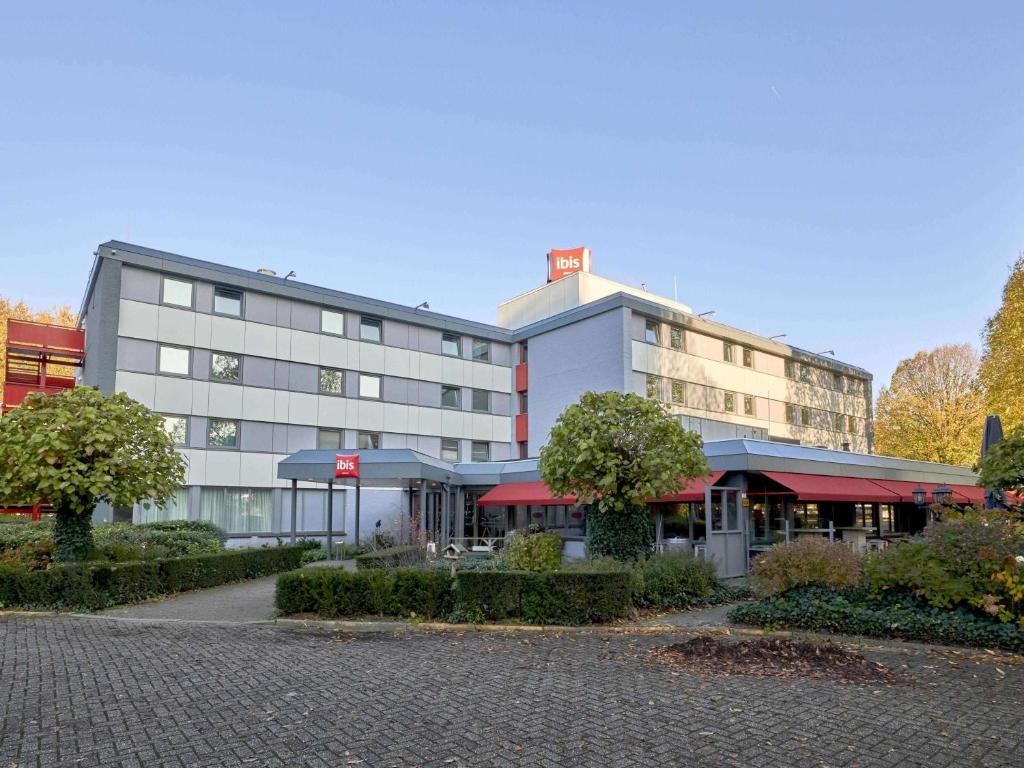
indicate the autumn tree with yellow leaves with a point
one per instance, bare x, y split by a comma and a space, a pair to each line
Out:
1002, 363
933, 408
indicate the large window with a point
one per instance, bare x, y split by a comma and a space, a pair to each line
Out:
451, 396
177, 293
332, 381
369, 386
451, 344
675, 337
225, 367
371, 329
176, 508
368, 441
481, 350
481, 400
238, 510
222, 433
332, 322
651, 332
174, 360
227, 301
329, 439
177, 428
480, 451
449, 449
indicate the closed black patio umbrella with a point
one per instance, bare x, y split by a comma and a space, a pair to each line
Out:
993, 434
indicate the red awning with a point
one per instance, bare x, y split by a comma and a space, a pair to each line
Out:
962, 494
828, 488
536, 493
694, 490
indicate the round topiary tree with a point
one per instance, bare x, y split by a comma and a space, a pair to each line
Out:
79, 448
614, 451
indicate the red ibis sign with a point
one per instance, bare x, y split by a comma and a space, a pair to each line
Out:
562, 263
346, 466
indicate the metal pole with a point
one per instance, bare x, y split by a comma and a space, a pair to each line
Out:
330, 519
357, 511
295, 513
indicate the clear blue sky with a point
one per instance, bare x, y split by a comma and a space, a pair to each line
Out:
852, 176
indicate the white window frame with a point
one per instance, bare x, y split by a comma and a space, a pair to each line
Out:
324, 314
172, 347
165, 279
368, 378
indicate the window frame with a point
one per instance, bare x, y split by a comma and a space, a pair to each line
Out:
458, 397
681, 400
458, 449
652, 381
446, 336
380, 386
163, 292
746, 353
472, 450
789, 369
676, 340
238, 434
839, 422
370, 320
650, 325
792, 415
377, 437
473, 350
321, 431
473, 393
241, 301
805, 416
748, 400
339, 313
838, 382
184, 418
320, 381
188, 360
238, 357
728, 397
728, 352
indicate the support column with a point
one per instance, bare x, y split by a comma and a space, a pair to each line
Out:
295, 505
330, 519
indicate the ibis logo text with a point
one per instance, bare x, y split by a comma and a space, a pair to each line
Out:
562, 263
346, 466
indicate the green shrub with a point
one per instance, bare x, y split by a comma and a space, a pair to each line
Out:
539, 552
334, 592
14, 536
89, 586
197, 526
674, 580
392, 557
807, 560
899, 615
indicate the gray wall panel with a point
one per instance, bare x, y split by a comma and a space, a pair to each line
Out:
258, 372
280, 438
261, 308
140, 285
501, 404
397, 334
281, 374
100, 321
303, 378
204, 298
197, 431
201, 361
301, 438
395, 390
257, 436
305, 317
136, 355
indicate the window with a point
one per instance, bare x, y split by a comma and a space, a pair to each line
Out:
481, 350
370, 329
451, 344
729, 402
451, 397
838, 381
678, 392
222, 433
369, 386
728, 352
524, 450
227, 301
174, 360
853, 386
449, 449
805, 417
851, 424
177, 293
805, 372
748, 405
368, 441
176, 508
748, 358
653, 387
481, 400
332, 322
332, 381
523, 352
225, 367
329, 439
177, 428
840, 422
480, 451
651, 332
790, 413
238, 510
675, 337
886, 518
524, 402
790, 368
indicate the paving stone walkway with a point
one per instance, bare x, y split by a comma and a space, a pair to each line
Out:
94, 692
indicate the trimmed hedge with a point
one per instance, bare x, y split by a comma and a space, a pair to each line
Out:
87, 586
536, 598
392, 557
900, 616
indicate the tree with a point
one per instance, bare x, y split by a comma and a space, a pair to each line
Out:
614, 451
1002, 467
21, 311
933, 408
79, 448
1002, 364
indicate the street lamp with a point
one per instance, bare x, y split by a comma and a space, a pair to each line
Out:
920, 496
943, 495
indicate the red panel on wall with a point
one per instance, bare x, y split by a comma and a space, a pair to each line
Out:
522, 427
521, 377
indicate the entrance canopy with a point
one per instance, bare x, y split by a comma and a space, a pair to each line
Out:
828, 488
531, 494
962, 494
384, 467
694, 490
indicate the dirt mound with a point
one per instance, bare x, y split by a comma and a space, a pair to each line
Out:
772, 657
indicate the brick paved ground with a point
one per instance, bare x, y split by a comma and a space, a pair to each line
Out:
88, 692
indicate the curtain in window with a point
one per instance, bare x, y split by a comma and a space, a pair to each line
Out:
176, 509
238, 510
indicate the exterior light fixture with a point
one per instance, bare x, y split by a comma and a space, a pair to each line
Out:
920, 496
828, 352
778, 336
709, 313
943, 495
421, 305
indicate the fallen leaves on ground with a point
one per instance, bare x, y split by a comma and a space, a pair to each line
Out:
773, 657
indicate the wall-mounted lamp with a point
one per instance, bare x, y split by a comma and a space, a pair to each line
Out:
421, 305
828, 352
778, 336
709, 313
